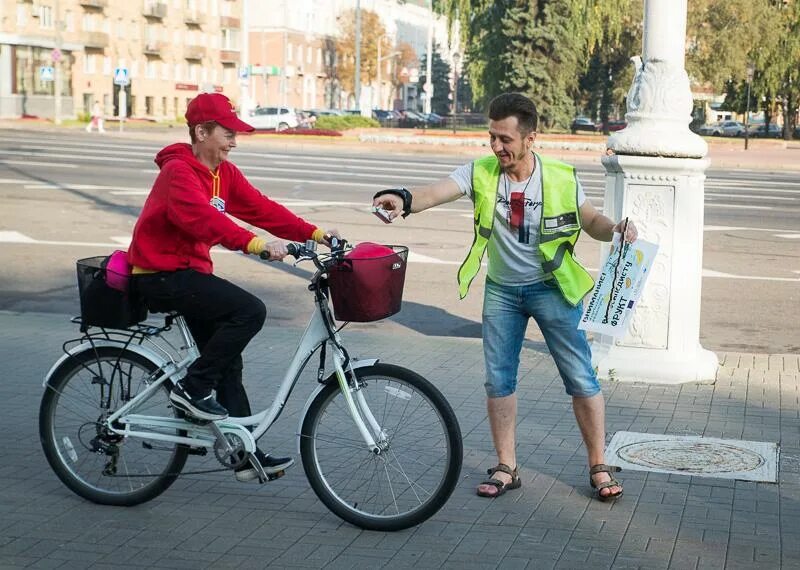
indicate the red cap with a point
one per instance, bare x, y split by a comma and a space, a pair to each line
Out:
215, 107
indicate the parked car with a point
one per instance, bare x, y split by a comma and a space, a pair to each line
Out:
761, 131
723, 129
273, 118
435, 120
613, 125
582, 124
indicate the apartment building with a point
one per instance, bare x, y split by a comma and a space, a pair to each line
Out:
293, 56
169, 50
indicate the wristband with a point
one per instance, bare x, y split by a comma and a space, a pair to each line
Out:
318, 235
256, 245
404, 194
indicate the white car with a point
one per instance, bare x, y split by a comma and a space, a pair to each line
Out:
273, 118
723, 129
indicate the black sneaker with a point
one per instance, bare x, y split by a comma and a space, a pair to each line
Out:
202, 408
269, 464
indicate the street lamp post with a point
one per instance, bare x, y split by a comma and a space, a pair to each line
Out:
750, 71
357, 79
429, 56
456, 60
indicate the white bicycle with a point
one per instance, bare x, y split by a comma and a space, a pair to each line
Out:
381, 446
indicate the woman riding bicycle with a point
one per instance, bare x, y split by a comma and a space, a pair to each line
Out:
182, 218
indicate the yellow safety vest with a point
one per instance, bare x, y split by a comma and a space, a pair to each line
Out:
558, 230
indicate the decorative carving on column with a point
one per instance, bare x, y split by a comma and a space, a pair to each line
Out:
659, 111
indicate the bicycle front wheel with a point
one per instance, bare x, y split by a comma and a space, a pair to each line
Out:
418, 467
90, 459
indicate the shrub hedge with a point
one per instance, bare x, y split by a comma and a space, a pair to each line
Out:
344, 122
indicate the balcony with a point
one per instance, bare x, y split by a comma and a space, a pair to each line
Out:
229, 56
194, 52
194, 19
98, 4
156, 10
95, 40
153, 48
228, 22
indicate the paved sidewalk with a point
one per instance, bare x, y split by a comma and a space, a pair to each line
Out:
210, 521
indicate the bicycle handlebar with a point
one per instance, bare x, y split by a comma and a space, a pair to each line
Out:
308, 250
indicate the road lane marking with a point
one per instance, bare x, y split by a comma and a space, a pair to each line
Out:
720, 195
737, 228
10, 236
712, 273
745, 206
72, 156
788, 236
34, 163
82, 187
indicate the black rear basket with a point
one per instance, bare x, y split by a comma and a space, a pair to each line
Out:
101, 305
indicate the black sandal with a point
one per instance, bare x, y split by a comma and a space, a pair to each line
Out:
501, 487
603, 468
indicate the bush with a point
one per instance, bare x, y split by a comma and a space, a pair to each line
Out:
84, 117
344, 122
314, 131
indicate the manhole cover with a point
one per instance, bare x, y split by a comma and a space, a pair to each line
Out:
691, 457
694, 455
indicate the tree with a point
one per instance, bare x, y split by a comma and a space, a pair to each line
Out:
372, 31
727, 36
539, 48
440, 79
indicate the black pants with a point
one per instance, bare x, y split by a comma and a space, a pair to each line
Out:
222, 319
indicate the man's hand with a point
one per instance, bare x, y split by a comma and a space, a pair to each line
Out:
631, 233
392, 203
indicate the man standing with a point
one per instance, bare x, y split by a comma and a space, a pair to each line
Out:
529, 211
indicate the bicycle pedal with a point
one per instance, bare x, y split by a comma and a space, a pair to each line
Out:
278, 475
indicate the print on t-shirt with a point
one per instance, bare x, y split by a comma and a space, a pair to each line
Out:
519, 211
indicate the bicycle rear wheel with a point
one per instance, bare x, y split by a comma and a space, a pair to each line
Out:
414, 475
92, 461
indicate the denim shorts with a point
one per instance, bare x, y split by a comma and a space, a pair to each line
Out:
506, 310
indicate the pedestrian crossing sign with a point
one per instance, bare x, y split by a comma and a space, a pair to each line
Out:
46, 73
121, 76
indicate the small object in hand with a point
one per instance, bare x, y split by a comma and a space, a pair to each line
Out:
382, 214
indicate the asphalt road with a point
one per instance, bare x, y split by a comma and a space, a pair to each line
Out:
70, 195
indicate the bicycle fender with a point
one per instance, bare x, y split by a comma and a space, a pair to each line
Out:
154, 357
331, 378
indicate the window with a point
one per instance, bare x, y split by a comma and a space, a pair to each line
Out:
69, 21
150, 69
22, 15
227, 74
230, 39
120, 32
46, 17
27, 61
89, 63
178, 74
165, 73
106, 66
86, 23
289, 52
308, 54
149, 106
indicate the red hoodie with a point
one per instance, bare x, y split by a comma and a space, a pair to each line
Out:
178, 225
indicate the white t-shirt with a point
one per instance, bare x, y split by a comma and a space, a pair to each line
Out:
513, 249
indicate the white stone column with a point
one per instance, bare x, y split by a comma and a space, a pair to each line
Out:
655, 173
